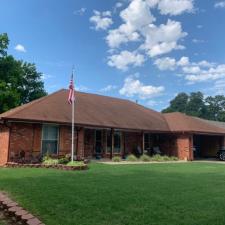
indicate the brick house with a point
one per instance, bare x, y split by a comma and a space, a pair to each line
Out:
104, 127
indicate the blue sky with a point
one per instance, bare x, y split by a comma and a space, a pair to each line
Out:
145, 50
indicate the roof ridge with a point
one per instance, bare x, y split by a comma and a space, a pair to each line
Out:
27, 105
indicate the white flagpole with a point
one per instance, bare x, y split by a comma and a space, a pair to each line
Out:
72, 156
73, 100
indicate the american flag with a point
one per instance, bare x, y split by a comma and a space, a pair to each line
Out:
71, 96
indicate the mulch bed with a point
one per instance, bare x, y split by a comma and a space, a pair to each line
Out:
57, 166
15, 214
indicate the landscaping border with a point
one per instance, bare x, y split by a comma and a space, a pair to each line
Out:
15, 213
56, 166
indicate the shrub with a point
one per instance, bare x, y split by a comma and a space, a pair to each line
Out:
132, 158
50, 161
157, 157
173, 158
63, 160
75, 163
145, 158
166, 158
116, 159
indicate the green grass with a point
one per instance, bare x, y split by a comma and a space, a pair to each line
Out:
153, 194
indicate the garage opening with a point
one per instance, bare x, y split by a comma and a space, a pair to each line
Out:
206, 146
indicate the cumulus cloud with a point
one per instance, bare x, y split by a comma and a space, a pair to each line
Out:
80, 12
175, 7
220, 4
163, 39
134, 87
192, 71
166, 63
138, 26
124, 59
20, 48
109, 88
101, 20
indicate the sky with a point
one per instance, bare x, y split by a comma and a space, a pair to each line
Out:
142, 50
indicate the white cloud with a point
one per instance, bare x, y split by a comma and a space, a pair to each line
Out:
199, 26
80, 12
175, 7
20, 48
46, 76
163, 39
166, 63
192, 71
220, 4
101, 20
119, 5
134, 87
136, 16
81, 88
109, 88
124, 59
213, 73
196, 41
219, 87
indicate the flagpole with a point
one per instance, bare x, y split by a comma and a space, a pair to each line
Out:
73, 101
72, 156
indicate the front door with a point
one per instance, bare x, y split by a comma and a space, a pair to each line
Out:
98, 142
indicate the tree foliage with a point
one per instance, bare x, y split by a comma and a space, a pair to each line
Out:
20, 82
195, 104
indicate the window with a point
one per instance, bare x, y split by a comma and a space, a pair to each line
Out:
117, 142
147, 141
109, 141
50, 135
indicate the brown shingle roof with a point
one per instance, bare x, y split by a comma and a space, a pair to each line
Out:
179, 122
90, 109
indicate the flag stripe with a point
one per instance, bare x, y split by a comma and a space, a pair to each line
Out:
71, 96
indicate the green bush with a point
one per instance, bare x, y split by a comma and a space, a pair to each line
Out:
173, 158
116, 159
132, 158
75, 163
166, 158
50, 161
145, 158
63, 160
157, 158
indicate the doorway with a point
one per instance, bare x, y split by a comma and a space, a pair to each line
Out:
98, 142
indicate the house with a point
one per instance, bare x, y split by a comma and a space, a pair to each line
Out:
104, 127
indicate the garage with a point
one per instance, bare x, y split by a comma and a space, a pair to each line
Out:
206, 146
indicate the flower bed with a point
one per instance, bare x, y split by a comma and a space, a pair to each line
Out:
53, 166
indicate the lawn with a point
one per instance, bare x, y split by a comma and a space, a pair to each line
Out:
159, 194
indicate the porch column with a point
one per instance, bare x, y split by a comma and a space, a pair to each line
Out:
143, 142
124, 145
112, 143
80, 144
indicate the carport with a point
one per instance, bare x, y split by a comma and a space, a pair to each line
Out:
206, 146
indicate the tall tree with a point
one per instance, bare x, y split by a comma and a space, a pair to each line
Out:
178, 104
211, 108
20, 82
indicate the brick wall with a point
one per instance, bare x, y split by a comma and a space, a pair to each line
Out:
25, 137
184, 146
65, 140
4, 144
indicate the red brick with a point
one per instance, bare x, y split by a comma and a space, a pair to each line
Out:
4, 144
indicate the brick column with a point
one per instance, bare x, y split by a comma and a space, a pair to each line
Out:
4, 144
185, 146
80, 144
